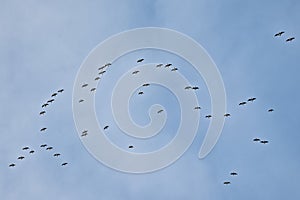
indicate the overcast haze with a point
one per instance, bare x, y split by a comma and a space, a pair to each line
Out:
42, 45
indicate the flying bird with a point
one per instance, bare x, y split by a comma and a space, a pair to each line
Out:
63, 164
130, 147
146, 84
100, 68
135, 72
56, 154
50, 101
233, 174
45, 105
43, 145
264, 142
208, 116
159, 111
242, 103
271, 110
197, 108
107, 64
54, 94
256, 140
43, 129
97, 78
31, 152
140, 60
49, 148
85, 131
25, 148
21, 157
174, 69
188, 87
227, 115
102, 72
84, 134
60, 91
105, 127
279, 34
81, 100
290, 39
84, 85
252, 99
168, 65
93, 89
42, 112
141, 93
226, 182
12, 165
159, 65
195, 88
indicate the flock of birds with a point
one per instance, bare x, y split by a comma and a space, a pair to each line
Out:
46, 147
289, 39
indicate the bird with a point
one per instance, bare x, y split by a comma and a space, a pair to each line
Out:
159, 111
264, 142
25, 148
31, 152
141, 93
146, 84
45, 105
12, 165
84, 85
54, 94
56, 154
233, 174
93, 89
226, 182
208, 116
252, 99
135, 72
105, 127
188, 87
43, 145
63, 164
174, 69
271, 110
81, 100
102, 72
130, 147
256, 140
60, 91
49, 148
85, 131
227, 115
100, 68
195, 88
197, 108
107, 64
159, 65
242, 103
97, 78
290, 39
42, 112
21, 157
279, 34
43, 129
50, 101
84, 134
140, 60
168, 65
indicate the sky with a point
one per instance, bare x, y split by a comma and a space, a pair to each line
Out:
43, 44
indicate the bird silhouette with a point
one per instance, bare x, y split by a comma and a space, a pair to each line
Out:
102, 72
25, 148
21, 157
195, 88
226, 182
93, 89
264, 142
84, 85
208, 116
135, 72
242, 103
168, 65
50, 101
188, 87
12, 165
60, 91
81, 100
43, 129
141, 93
105, 127
140, 60
49, 148
97, 78
290, 39
271, 110
159, 65
233, 174
227, 115
252, 99
146, 84
45, 105
54, 94
160, 111
56, 154
256, 140
130, 147
197, 108
42, 112
31, 152
43, 145
279, 34
174, 69
63, 164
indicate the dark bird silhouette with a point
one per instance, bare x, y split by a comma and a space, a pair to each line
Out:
159, 65
49, 148
146, 84
208, 116
50, 101
256, 140
226, 182
25, 148
60, 91
107, 64
43, 145
197, 108
159, 111
233, 174
279, 34
85, 131
12, 165
56, 154
130, 147
195, 88
102, 72
81, 100
97, 78
264, 142
84, 134
54, 94
135, 72
84, 85
93, 89
174, 69
63, 164
100, 68
168, 65
252, 99
188, 87
271, 110
242, 103
42, 112
227, 115
21, 157
43, 129
31, 152
290, 39
141, 93
45, 105
105, 127
140, 60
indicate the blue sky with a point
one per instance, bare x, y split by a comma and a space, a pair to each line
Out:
44, 44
